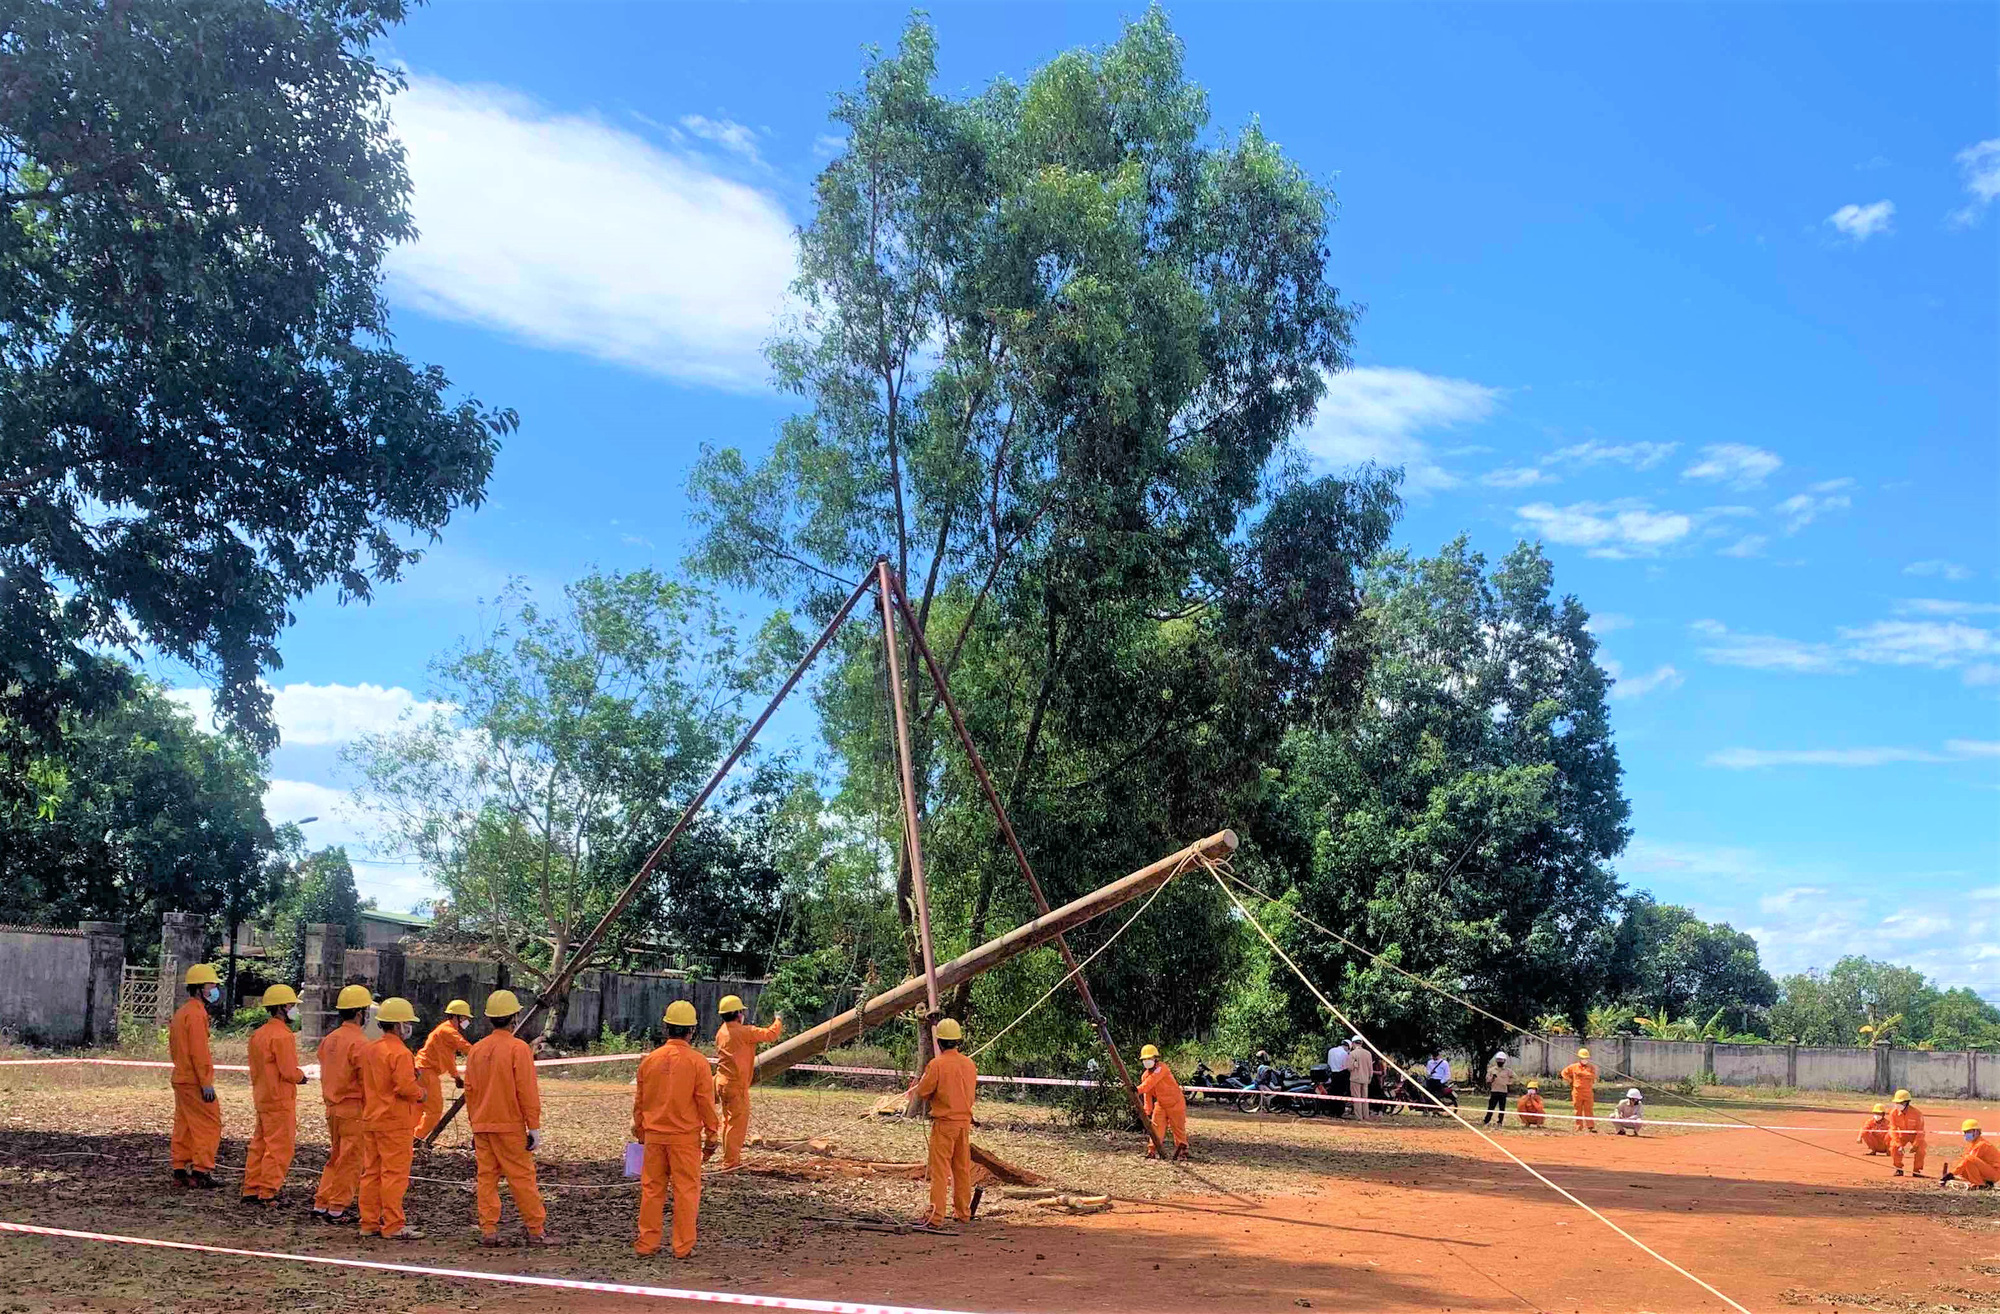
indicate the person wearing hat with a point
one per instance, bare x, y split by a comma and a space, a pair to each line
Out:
1499, 1086
1582, 1078
197, 1116
275, 1078
736, 1044
438, 1056
503, 1104
1875, 1132
1165, 1105
1531, 1109
1630, 1113
1360, 1072
1980, 1167
951, 1084
340, 1088
673, 1117
1906, 1132
390, 1096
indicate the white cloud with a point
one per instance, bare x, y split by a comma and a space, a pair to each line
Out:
1979, 165
1640, 456
1375, 413
1950, 570
1945, 607
1737, 464
1750, 545
1638, 686
1785, 899
1982, 674
1861, 222
1941, 645
731, 136
320, 714
572, 234
827, 145
1750, 759
1763, 652
1973, 747
1802, 509
1518, 476
1625, 528
1605, 622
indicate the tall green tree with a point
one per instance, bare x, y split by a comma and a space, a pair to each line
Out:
319, 890
202, 418
1670, 962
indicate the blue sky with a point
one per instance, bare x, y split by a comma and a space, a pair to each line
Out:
1703, 297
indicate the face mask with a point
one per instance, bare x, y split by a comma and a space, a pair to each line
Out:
1970, 1137
1151, 1064
292, 1013
212, 994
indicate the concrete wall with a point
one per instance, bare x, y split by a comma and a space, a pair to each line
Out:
1942, 1075
1836, 1068
60, 987
1751, 1065
1667, 1060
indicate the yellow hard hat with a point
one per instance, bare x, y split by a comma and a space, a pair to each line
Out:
1534, 1085
1970, 1124
201, 974
1583, 1053
354, 996
1902, 1097
279, 995
1148, 1051
729, 1004
395, 1010
1880, 1109
501, 1003
949, 1030
458, 1008
680, 1013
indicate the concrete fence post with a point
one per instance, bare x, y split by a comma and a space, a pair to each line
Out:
1708, 1057
1625, 1055
324, 972
182, 937
1972, 1074
107, 979
1792, 1065
1885, 1071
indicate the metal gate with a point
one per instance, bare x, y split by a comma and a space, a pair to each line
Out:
139, 992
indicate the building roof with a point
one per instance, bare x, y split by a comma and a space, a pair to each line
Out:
394, 919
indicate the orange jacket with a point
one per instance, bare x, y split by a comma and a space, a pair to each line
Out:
274, 1066
389, 1080
340, 1069
1985, 1154
736, 1046
1530, 1103
675, 1097
1909, 1125
442, 1048
950, 1083
1877, 1126
501, 1091
1582, 1079
187, 1044
1159, 1087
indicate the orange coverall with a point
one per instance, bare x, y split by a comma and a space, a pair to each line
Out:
1875, 1134
1582, 1079
197, 1124
340, 1086
1909, 1131
504, 1102
736, 1048
274, 1086
673, 1116
950, 1083
438, 1056
389, 1116
1529, 1110
1981, 1164
1165, 1105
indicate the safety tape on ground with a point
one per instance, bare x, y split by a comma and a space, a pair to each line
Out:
480, 1275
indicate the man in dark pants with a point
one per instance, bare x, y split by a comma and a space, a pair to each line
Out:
1499, 1085
1336, 1062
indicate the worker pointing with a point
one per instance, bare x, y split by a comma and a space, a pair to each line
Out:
503, 1102
1875, 1132
673, 1117
197, 1117
340, 1087
1582, 1078
736, 1044
1906, 1132
275, 1078
1980, 1167
951, 1084
1165, 1104
439, 1056
390, 1095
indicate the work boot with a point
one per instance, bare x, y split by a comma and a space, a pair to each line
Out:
489, 1238
407, 1234
1897, 1173
181, 1177
201, 1180
1181, 1154
250, 1200
542, 1239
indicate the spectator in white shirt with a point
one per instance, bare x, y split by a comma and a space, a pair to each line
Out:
1337, 1060
1437, 1074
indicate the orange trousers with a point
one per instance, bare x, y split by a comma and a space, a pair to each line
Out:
197, 1130
505, 1154
271, 1149
1973, 1173
734, 1101
1914, 1144
1584, 1106
385, 1180
1172, 1121
433, 1106
676, 1161
341, 1177
1876, 1141
951, 1159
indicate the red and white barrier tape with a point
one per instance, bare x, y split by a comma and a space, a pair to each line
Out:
479, 1275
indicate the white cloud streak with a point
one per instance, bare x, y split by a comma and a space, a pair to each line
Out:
1376, 413
1640, 456
1660, 679
1754, 759
1858, 223
1737, 464
1801, 509
1620, 529
1950, 570
310, 715
1979, 167
731, 136
1941, 645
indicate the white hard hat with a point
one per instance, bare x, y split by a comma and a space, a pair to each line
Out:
1633, 1094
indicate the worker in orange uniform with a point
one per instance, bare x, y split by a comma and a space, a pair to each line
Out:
1875, 1132
439, 1056
275, 1078
503, 1102
340, 1087
1906, 1132
197, 1116
1165, 1105
736, 1044
1582, 1078
1531, 1109
950, 1083
1980, 1167
390, 1095
673, 1116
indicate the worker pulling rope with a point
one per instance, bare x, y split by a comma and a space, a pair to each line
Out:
1452, 1113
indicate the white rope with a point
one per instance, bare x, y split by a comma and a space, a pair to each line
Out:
1452, 1113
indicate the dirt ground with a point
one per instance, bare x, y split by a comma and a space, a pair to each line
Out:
1276, 1214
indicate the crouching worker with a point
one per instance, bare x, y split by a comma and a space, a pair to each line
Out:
1875, 1132
1980, 1167
1165, 1105
1630, 1114
390, 1096
503, 1102
275, 1078
1530, 1108
197, 1116
673, 1116
1906, 1123
951, 1084
440, 1056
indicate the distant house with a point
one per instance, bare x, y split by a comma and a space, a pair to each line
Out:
385, 930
